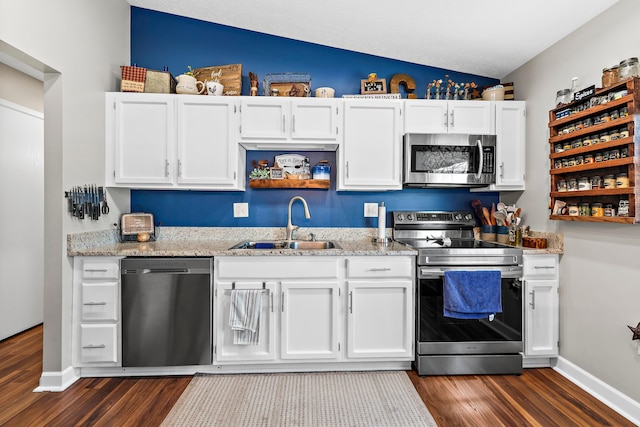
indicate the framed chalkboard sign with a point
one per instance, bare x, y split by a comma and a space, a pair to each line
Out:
373, 86
276, 173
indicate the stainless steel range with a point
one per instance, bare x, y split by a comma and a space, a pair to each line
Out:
459, 346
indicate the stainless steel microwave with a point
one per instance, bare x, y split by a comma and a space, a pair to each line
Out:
448, 160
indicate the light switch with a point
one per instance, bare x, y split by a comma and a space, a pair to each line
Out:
370, 210
240, 210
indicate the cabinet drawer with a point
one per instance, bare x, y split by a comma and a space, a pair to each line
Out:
385, 266
98, 343
540, 265
100, 301
100, 269
277, 267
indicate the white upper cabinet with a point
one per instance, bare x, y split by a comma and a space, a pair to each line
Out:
370, 157
140, 138
440, 116
510, 146
207, 150
172, 141
294, 123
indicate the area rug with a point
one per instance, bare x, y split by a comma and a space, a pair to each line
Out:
327, 399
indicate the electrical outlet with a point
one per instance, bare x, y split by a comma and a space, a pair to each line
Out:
370, 210
240, 210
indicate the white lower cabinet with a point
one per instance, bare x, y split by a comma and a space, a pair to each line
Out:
541, 302
96, 312
319, 309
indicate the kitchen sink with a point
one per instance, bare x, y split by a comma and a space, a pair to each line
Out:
283, 244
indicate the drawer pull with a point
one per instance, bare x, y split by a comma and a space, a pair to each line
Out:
96, 270
380, 269
546, 267
95, 303
94, 346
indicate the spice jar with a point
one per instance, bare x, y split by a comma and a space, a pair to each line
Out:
557, 164
572, 184
573, 209
599, 157
624, 132
563, 96
614, 115
588, 159
615, 134
624, 112
604, 137
622, 180
614, 154
628, 68
609, 76
624, 151
597, 209
609, 181
587, 122
576, 143
579, 160
584, 209
561, 185
584, 184
586, 141
566, 146
595, 182
558, 148
609, 210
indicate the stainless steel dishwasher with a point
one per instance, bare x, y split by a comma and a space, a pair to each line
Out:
166, 311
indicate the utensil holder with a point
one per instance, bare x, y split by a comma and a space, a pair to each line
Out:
503, 234
488, 233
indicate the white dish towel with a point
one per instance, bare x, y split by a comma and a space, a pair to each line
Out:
244, 315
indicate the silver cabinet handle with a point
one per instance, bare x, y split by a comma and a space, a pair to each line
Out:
346, 169
96, 270
95, 303
282, 301
452, 122
502, 170
94, 346
293, 124
351, 302
271, 295
380, 269
179, 168
533, 300
544, 267
166, 167
283, 119
446, 120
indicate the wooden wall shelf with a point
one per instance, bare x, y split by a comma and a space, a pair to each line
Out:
320, 184
627, 145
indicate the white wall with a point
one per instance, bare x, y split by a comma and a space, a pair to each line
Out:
79, 46
599, 271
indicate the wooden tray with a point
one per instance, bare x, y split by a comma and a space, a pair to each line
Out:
231, 77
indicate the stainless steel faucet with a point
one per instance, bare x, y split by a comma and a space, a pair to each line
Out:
290, 227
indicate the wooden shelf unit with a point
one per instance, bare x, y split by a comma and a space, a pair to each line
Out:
627, 164
321, 184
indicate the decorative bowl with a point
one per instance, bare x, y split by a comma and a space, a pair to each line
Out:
495, 93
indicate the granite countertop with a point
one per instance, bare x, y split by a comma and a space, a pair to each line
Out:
214, 241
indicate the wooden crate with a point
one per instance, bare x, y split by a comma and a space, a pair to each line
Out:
159, 82
230, 76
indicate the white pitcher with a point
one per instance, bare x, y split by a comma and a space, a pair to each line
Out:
189, 85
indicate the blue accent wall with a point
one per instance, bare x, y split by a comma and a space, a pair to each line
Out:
161, 40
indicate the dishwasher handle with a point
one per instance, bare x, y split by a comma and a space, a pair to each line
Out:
157, 271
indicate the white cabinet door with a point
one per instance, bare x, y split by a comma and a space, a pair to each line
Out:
143, 133
439, 116
379, 319
207, 152
264, 118
99, 344
226, 350
541, 317
510, 145
315, 118
369, 158
309, 320
541, 305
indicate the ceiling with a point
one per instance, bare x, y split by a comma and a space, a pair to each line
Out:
484, 37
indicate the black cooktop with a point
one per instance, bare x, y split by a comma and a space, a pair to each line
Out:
452, 243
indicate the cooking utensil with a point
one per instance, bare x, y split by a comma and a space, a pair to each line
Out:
105, 206
487, 217
493, 211
500, 217
477, 206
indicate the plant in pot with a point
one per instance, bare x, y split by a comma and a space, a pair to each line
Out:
187, 83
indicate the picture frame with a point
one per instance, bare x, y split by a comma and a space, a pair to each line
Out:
373, 86
276, 173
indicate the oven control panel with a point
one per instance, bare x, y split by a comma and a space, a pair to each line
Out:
433, 217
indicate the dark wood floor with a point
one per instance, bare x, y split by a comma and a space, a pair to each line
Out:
539, 397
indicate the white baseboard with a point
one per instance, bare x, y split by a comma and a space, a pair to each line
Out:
608, 395
57, 381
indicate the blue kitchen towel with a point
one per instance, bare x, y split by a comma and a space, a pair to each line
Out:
472, 294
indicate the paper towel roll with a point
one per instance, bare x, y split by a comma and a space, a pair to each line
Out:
382, 221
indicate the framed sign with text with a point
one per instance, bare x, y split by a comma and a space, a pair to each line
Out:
373, 86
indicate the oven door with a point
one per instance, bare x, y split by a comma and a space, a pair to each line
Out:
445, 160
437, 334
